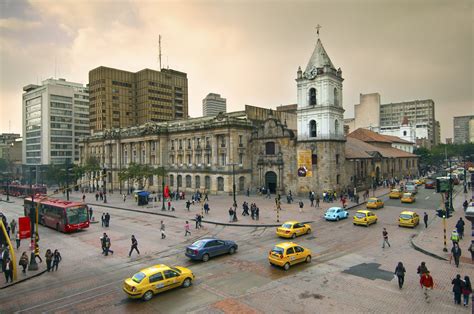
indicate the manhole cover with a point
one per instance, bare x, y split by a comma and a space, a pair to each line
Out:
370, 271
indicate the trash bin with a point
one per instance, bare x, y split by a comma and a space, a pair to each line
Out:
143, 198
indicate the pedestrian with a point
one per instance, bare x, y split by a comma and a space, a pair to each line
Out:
385, 238
471, 249
426, 283
90, 213
134, 246
425, 219
257, 213
460, 227
18, 240
188, 204
96, 197
24, 261
107, 220
457, 289
317, 200
200, 221
248, 192
56, 259
197, 221
169, 205
400, 273
8, 269
206, 208
162, 229
456, 254
37, 252
206, 198
124, 197
466, 290
186, 229
234, 218
102, 242
231, 214
422, 269
103, 219
13, 226
455, 236
83, 198
107, 246
49, 258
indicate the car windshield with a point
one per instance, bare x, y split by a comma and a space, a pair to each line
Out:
287, 226
176, 270
395, 191
138, 277
331, 210
199, 243
278, 250
407, 195
372, 201
360, 215
410, 183
77, 214
405, 216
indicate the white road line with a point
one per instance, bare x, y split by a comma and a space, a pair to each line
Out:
427, 197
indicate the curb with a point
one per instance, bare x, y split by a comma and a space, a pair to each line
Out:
23, 280
418, 248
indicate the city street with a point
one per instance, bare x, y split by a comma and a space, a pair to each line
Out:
349, 271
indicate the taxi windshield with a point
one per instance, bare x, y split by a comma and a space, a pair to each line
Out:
360, 215
395, 191
405, 216
176, 270
407, 195
138, 277
372, 200
287, 226
278, 250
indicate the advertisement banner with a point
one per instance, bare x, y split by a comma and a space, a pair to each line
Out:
24, 227
304, 163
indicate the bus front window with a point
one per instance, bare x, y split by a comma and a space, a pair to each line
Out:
77, 215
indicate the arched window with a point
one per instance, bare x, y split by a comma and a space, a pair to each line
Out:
171, 180
188, 181
220, 184
312, 128
241, 183
312, 96
404, 133
197, 182
207, 182
180, 181
270, 148
336, 127
336, 98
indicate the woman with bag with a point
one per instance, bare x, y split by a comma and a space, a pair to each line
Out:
466, 290
400, 273
24, 261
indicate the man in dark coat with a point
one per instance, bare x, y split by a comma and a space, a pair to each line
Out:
456, 253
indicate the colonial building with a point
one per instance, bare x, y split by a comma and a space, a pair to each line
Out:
300, 149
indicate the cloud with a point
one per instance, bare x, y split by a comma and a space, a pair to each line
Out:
14, 24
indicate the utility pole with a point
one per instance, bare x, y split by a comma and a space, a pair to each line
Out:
33, 265
104, 177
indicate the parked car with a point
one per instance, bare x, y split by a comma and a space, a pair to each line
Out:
336, 213
204, 249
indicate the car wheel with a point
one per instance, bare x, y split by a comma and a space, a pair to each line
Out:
187, 282
354, 223
308, 259
232, 250
337, 218
148, 295
308, 231
286, 266
205, 257
293, 235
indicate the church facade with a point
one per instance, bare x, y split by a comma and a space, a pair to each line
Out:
254, 148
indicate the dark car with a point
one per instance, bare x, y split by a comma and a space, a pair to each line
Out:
430, 184
204, 249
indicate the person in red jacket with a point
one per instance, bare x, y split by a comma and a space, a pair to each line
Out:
426, 283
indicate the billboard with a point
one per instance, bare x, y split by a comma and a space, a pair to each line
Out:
24, 227
304, 163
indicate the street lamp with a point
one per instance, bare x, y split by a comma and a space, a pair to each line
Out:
34, 231
104, 173
163, 188
233, 181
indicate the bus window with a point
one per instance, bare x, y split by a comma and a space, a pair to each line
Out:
77, 214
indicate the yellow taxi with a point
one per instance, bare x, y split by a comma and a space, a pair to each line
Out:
292, 229
364, 218
420, 181
288, 253
156, 279
408, 219
408, 198
374, 203
395, 193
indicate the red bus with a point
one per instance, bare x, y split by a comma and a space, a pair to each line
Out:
64, 216
22, 190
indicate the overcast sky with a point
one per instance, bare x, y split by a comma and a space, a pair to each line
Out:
248, 51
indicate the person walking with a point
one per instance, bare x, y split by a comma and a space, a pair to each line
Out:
231, 214
186, 229
107, 246
102, 242
455, 236
134, 246
317, 200
56, 259
425, 219
466, 290
301, 206
24, 261
426, 283
103, 219
471, 249
460, 227
457, 289
385, 238
162, 230
124, 197
400, 273
8, 269
37, 252
456, 254
18, 240
257, 213
49, 258
107, 220
13, 226
90, 212
422, 269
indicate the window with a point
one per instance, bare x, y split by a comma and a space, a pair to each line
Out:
156, 277
241, 158
197, 182
290, 251
220, 184
336, 99
170, 274
171, 180
211, 244
270, 148
336, 127
207, 182
241, 143
312, 128
337, 179
404, 133
299, 249
241, 183
314, 159
188, 181
222, 159
337, 159
312, 96
180, 181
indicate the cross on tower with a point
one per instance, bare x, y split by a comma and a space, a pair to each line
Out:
317, 29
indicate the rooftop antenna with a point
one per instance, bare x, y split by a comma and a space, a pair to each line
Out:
159, 50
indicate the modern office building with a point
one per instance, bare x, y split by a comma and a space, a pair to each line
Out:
213, 104
55, 116
120, 99
7, 140
461, 126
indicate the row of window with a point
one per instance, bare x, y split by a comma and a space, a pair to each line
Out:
312, 97
207, 182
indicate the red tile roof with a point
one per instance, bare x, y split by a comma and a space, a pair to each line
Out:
371, 136
356, 148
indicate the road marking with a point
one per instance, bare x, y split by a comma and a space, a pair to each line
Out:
427, 197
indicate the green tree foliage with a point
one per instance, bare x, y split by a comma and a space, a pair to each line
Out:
437, 155
138, 172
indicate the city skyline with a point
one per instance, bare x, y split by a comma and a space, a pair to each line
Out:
402, 51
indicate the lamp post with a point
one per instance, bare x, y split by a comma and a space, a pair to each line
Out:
8, 189
233, 182
34, 231
163, 188
104, 174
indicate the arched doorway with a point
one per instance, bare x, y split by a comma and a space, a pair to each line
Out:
271, 181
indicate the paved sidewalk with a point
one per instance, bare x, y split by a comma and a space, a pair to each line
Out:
219, 206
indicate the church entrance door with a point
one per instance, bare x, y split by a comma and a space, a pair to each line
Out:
271, 181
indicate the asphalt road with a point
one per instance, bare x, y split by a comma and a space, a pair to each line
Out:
349, 269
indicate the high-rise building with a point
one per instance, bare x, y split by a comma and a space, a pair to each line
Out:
213, 104
55, 116
461, 129
120, 99
7, 141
